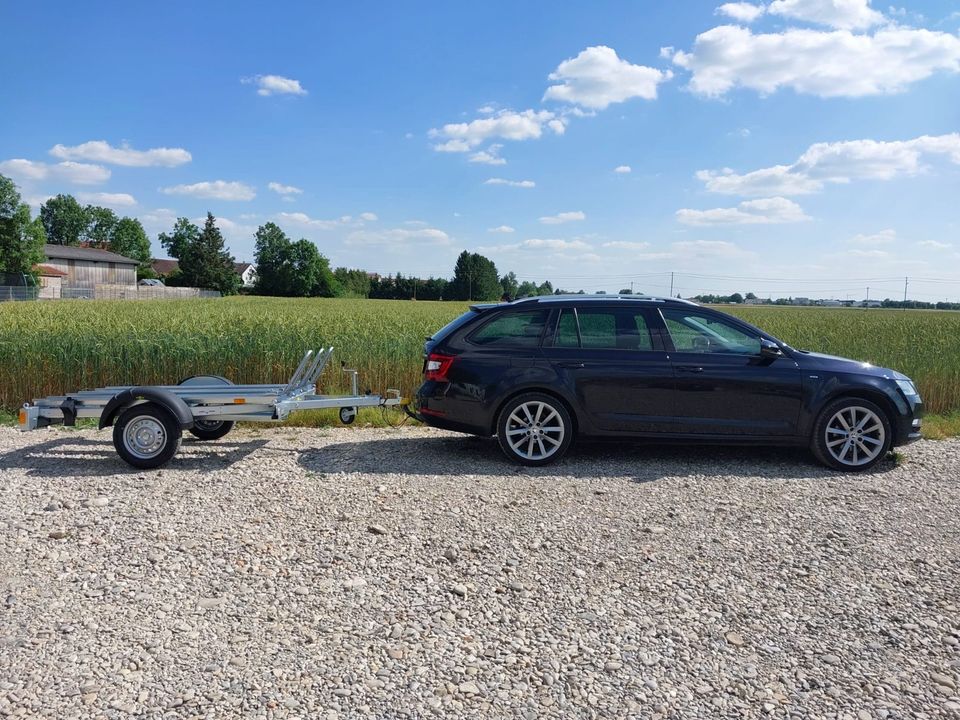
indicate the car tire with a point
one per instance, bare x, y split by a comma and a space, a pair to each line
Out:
146, 435
851, 434
534, 429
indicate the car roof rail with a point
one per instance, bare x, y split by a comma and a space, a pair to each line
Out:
601, 298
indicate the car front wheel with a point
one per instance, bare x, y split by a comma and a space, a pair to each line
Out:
534, 429
851, 434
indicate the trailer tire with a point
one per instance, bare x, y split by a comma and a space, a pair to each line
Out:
210, 429
146, 435
348, 415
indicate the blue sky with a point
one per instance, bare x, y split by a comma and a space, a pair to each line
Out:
809, 147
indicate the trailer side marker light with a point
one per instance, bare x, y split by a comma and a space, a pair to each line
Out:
239, 401
22, 417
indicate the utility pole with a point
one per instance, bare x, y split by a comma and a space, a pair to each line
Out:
868, 293
631, 287
906, 282
470, 285
671, 283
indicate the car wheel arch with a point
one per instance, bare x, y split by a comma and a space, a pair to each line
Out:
569, 406
877, 397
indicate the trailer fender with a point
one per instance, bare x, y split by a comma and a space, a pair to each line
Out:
177, 407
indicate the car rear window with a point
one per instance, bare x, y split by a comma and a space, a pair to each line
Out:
514, 329
453, 325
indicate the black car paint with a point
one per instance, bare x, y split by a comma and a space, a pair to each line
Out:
661, 394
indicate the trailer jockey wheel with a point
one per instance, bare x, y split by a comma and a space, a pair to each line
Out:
348, 415
211, 429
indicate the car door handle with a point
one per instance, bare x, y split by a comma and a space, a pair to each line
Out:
689, 368
573, 365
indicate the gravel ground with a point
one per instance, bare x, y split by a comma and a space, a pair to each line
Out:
414, 573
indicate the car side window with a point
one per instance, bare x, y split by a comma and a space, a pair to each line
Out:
601, 328
514, 329
701, 333
567, 335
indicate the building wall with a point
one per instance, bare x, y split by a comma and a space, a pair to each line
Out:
87, 273
50, 287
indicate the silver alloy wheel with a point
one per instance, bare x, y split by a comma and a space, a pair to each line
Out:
855, 436
535, 430
144, 437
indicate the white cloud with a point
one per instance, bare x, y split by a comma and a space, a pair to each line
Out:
490, 156
284, 189
742, 11
934, 244
510, 183
843, 14
839, 162
626, 245
826, 63
304, 220
399, 236
884, 237
505, 124
868, 253
623, 169
708, 249
111, 200
274, 85
104, 152
216, 189
563, 217
368, 216
765, 211
501, 229
597, 77
69, 171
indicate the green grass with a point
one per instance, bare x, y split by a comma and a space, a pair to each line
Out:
57, 347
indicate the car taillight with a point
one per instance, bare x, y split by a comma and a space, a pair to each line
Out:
437, 366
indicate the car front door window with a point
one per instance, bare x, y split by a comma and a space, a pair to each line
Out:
694, 332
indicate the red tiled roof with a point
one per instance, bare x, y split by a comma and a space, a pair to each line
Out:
164, 267
47, 271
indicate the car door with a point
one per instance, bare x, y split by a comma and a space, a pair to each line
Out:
613, 362
724, 385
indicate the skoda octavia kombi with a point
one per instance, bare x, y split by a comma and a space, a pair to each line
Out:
539, 372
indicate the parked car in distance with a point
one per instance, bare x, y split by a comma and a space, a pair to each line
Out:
541, 371
150, 282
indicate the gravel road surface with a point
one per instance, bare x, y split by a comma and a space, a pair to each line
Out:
347, 573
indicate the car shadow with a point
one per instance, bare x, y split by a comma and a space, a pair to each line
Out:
77, 456
639, 461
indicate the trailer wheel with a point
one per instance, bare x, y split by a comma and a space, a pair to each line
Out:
211, 429
348, 415
146, 436
208, 429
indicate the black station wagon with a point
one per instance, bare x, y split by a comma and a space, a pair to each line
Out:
538, 372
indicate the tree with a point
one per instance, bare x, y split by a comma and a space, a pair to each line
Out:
64, 220
21, 240
206, 263
750, 296
526, 289
510, 284
546, 288
270, 256
474, 278
625, 291
291, 269
352, 283
101, 223
736, 298
184, 234
130, 240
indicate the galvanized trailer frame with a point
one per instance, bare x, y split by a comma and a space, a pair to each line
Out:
148, 420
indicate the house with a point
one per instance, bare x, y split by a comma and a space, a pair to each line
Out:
247, 271
84, 267
51, 281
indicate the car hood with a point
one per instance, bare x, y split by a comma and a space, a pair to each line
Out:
819, 361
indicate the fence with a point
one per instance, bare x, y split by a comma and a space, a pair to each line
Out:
105, 292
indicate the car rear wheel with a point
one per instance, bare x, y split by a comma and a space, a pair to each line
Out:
534, 429
851, 434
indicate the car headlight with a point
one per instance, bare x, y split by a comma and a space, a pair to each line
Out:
908, 388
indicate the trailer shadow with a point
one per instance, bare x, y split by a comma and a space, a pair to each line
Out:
638, 461
78, 456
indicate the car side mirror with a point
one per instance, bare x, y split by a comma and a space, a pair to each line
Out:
769, 349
